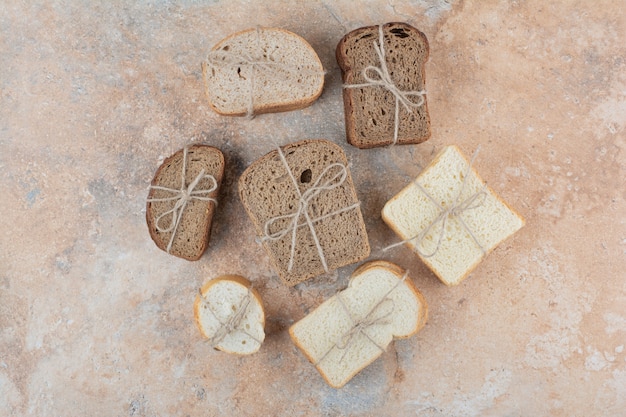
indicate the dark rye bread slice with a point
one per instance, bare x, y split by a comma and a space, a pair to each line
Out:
370, 110
191, 238
267, 191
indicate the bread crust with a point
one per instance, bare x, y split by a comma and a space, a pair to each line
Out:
426, 260
259, 226
151, 219
348, 76
398, 272
268, 108
237, 279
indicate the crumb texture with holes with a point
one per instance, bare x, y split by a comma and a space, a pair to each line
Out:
370, 110
262, 70
229, 312
353, 328
490, 220
269, 194
191, 237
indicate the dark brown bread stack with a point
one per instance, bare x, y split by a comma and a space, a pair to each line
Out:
268, 192
370, 110
191, 237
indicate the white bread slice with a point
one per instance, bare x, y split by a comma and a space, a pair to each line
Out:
411, 212
330, 336
262, 70
230, 299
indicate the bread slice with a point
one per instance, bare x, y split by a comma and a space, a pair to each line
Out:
229, 312
271, 194
469, 235
370, 110
190, 238
262, 70
353, 328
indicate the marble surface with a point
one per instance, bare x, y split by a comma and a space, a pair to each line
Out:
95, 320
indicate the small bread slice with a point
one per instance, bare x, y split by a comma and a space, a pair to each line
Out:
190, 239
451, 253
370, 110
270, 195
350, 330
262, 70
229, 312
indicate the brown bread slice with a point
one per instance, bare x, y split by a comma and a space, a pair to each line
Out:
370, 110
191, 237
267, 191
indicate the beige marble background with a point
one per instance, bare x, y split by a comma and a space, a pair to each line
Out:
96, 321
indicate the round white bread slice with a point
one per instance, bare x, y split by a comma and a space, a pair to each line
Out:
352, 329
229, 312
262, 70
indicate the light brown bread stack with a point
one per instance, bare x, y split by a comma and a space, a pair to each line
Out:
229, 312
449, 217
179, 219
310, 187
350, 330
262, 70
370, 107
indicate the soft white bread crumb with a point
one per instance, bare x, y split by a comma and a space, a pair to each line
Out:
287, 73
376, 289
218, 301
411, 211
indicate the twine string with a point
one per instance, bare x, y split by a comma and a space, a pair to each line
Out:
455, 210
380, 76
182, 196
301, 217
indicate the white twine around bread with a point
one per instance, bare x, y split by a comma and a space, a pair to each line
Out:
263, 61
304, 200
233, 322
182, 196
382, 78
455, 210
376, 316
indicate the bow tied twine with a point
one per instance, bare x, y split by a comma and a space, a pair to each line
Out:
325, 182
182, 196
455, 210
382, 78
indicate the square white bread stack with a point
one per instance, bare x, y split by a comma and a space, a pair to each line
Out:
451, 222
353, 328
229, 312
